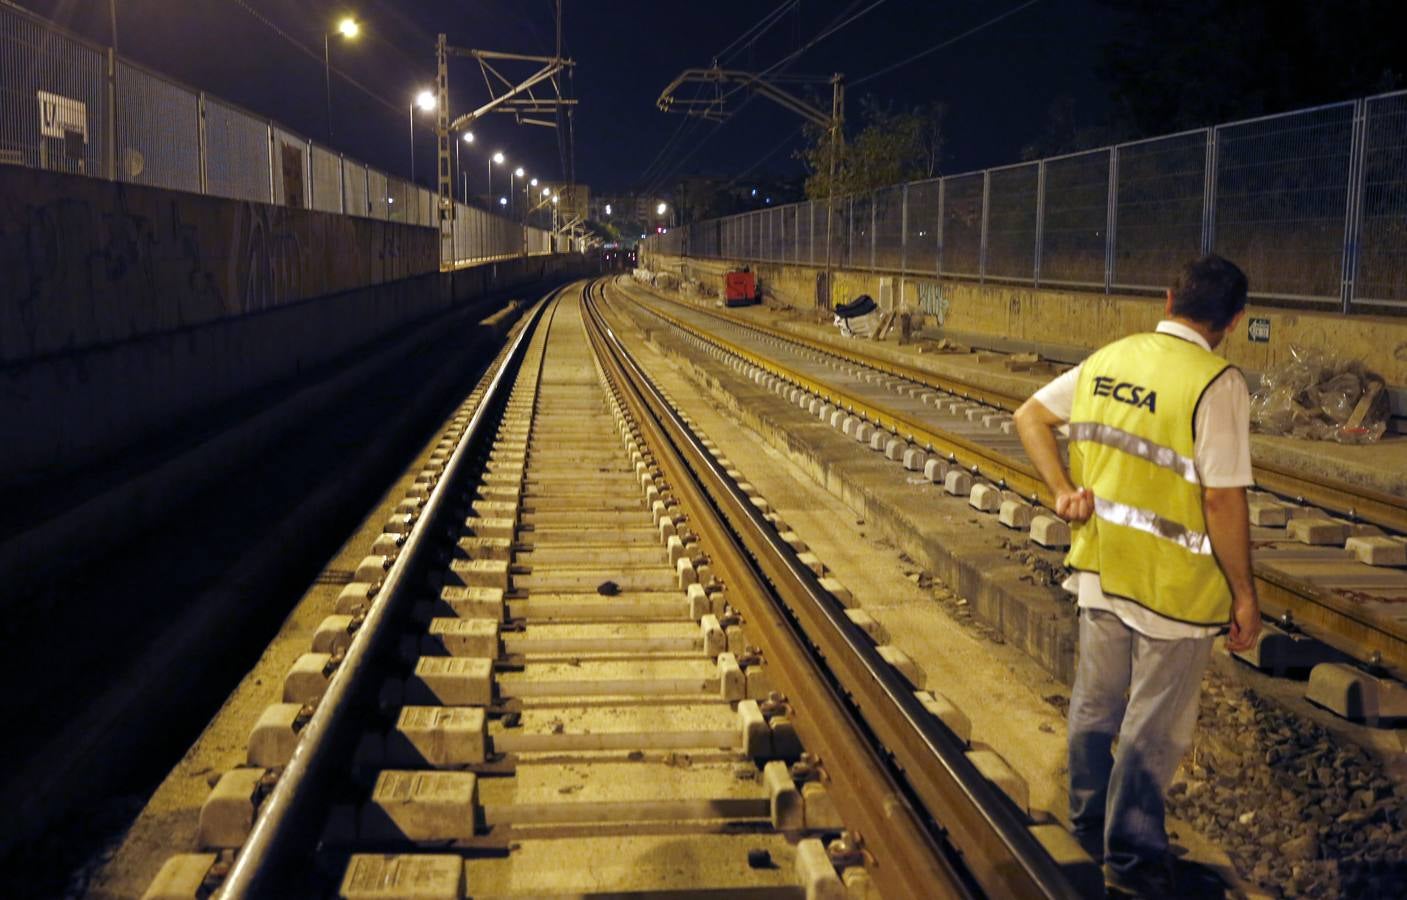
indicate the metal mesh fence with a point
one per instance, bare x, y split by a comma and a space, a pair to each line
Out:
1382, 243
1076, 214
1281, 200
857, 244
921, 236
158, 131
1160, 188
53, 97
326, 183
237, 156
1011, 222
378, 197
961, 242
889, 228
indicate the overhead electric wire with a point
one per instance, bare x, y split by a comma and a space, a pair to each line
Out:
946, 43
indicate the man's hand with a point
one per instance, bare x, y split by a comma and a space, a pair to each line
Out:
1245, 623
1075, 505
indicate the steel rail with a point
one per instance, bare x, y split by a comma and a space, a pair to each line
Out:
275, 831
991, 837
1334, 620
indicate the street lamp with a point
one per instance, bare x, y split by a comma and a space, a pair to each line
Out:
516, 173
659, 210
468, 139
496, 158
426, 101
349, 29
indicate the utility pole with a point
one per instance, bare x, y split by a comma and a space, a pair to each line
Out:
444, 186
837, 136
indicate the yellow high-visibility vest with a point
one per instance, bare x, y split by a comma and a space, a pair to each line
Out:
1132, 444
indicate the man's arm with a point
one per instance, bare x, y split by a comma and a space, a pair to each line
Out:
1229, 527
1036, 425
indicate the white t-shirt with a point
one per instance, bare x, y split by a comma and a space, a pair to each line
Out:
1223, 456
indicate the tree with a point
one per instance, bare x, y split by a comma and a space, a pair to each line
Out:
893, 146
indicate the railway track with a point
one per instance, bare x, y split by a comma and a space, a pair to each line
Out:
1312, 539
584, 660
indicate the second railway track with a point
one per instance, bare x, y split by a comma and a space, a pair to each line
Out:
582, 662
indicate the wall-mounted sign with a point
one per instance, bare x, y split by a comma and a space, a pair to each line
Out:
1258, 331
60, 116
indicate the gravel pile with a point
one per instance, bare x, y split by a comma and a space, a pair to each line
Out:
1301, 813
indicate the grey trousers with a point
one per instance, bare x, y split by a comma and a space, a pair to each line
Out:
1145, 692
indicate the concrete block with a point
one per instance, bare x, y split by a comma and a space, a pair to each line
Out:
400, 523
473, 602
996, 770
863, 432
1084, 874
935, 470
372, 569
421, 806
1307, 512
698, 601
838, 591
461, 637
403, 876
334, 634
906, 666
975, 413
812, 562
914, 459
784, 799
387, 544
451, 680
815, 872
181, 877
984, 498
868, 624
848, 426
814, 406
1378, 551
658, 512
825, 413
879, 439
1008, 426
675, 548
958, 483
761, 504
894, 449
228, 811
819, 809
1268, 514
667, 528
1015, 514
756, 736
490, 526
946, 712
1320, 532
307, 678
837, 418
275, 734
485, 573
685, 573
1284, 653
732, 685
440, 736
715, 641
354, 598
1048, 531
475, 547
410, 506
1356, 695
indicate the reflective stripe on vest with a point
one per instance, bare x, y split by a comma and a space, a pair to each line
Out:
1132, 444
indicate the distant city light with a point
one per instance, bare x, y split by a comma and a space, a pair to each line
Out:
661, 208
425, 100
518, 171
769, 199
390, 199
754, 192
608, 209
546, 191
555, 198
533, 182
502, 201
468, 137
348, 28
498, 157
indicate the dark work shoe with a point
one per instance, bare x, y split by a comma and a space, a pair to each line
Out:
1151, 880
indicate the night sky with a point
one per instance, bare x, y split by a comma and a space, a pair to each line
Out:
998, 83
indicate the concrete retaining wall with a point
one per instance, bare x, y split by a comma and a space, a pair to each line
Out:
86, 262
80, 407
1067, 323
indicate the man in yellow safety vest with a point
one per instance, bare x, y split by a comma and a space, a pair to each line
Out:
1156, 490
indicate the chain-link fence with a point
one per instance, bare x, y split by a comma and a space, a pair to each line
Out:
1312, 204
67, 105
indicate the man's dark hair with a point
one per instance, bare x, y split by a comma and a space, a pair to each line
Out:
1210, 290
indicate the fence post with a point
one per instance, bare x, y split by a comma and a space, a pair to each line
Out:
1111, 220
110, 138
874, 215
202, 143
942, 199
269, 127
1209, 191
811, 227
982, 245
1353, 208
904, 228
1040, 221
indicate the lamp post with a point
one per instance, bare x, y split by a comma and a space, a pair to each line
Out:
468, 139
426, 101
496, 158
516, 173
349, 29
